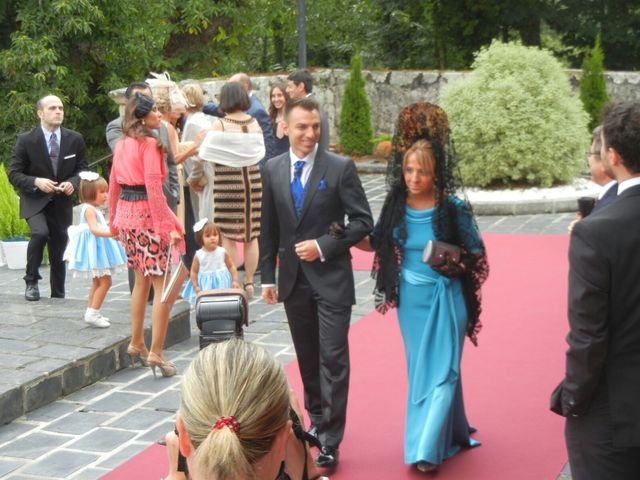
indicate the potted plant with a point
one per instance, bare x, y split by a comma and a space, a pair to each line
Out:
14, 231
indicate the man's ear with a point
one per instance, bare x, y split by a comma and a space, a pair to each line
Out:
183, 437
615, 158
285, 127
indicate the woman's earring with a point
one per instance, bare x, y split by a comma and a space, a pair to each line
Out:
143, 122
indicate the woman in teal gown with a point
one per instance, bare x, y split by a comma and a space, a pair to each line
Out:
436, 305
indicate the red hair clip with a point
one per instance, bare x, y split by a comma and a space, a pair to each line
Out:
230, 422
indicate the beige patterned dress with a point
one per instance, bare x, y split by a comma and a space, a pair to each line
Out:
237, 192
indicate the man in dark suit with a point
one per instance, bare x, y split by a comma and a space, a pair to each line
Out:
601, 172
305, 192
600, 394
256, 110
44, 169
300, 84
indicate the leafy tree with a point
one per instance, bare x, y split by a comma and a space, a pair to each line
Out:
579, 21
515, 120
593, 88
355, 116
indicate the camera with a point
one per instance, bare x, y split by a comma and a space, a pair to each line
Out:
221, 315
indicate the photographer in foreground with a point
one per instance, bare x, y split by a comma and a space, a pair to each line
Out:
234, 420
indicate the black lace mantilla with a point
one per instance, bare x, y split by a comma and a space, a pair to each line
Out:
453, 220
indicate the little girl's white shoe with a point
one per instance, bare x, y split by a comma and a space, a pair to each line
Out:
93, 318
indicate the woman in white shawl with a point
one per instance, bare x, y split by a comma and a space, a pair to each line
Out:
235, 146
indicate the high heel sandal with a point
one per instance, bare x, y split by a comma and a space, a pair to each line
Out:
248, 288
168, 369
137, 354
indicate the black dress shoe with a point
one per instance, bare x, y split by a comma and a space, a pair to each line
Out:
327, 458
31, 293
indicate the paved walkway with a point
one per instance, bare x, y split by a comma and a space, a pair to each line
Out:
89, 432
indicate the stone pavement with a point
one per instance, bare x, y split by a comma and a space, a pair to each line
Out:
87, 433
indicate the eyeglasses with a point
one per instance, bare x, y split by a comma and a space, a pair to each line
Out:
588, 154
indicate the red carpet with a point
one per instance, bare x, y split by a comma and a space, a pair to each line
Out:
507, 380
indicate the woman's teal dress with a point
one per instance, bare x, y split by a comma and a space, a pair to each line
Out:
432, 317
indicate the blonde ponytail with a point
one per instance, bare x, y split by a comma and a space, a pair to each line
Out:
235, 399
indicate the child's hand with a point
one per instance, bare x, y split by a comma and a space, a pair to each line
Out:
235, 284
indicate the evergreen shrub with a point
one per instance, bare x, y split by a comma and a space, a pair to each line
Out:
593, 87
356, 129
11, 225
515, 121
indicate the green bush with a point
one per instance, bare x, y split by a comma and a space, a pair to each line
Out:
593, 88
515, 121
355, 118
11, 225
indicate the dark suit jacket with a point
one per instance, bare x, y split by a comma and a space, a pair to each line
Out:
257, 111
609, 196
30, 159
604, 318
333, 190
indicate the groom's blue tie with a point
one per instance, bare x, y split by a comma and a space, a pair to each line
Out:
297, 190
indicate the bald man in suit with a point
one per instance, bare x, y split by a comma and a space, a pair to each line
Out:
44, 169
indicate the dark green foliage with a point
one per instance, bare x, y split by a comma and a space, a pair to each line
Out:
11, 225
593, 88
355, 115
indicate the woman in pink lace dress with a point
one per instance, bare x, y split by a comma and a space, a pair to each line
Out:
141, 217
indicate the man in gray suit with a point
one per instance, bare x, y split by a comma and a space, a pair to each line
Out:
306, 193
300, 84
171, 186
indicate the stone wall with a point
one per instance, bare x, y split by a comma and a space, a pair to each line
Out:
390, 90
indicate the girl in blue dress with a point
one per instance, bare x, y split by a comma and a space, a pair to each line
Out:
212, 266
437, 305
92, 252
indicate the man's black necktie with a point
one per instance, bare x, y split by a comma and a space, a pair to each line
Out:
297, 190
54, 151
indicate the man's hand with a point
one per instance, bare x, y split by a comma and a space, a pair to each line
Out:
269, 295
307, 251
66, 188
45, 185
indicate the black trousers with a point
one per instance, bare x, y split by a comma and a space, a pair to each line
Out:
592, 455
319, 331
47, 228
189, 237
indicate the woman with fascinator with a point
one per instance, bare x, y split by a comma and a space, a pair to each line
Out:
437, 304
145, 224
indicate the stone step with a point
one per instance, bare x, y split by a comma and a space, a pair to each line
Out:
48, 352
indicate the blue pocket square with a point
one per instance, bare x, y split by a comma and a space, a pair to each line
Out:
322, 185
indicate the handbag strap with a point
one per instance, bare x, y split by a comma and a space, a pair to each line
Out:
167, 272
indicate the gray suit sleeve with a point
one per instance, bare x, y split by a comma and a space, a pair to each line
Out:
171, 185
114, 133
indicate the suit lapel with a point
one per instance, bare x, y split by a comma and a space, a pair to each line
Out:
284, 180
44, 149
317, 173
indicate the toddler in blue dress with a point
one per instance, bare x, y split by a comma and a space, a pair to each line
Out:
212, 267
91, 251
